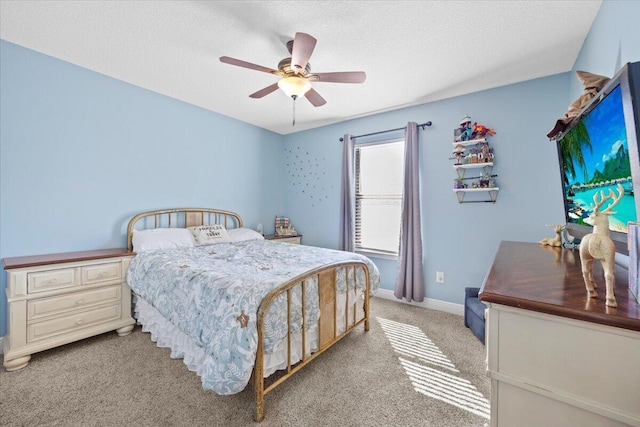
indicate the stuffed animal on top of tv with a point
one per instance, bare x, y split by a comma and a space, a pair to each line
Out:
592, 84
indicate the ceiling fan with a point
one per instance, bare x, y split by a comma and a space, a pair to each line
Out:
295, 72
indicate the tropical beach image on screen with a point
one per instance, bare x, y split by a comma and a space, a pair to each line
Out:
595, 158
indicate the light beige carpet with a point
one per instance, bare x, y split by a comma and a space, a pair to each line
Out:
415, 367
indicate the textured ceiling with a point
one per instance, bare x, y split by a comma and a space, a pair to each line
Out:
412, 51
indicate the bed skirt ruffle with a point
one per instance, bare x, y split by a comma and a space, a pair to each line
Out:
166, 335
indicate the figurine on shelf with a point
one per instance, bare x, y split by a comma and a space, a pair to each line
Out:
480, 131
458, 183
484, 180
464, 131
458, 154
473, 156
485, 156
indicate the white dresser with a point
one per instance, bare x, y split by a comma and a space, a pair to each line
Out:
555, 356
60, 298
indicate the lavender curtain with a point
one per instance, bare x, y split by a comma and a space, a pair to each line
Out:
347, 200
410, 280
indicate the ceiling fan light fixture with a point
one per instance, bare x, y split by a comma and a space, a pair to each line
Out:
294, 86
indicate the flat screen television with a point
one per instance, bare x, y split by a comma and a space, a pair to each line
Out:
599, 150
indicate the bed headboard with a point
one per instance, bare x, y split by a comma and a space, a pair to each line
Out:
181, 218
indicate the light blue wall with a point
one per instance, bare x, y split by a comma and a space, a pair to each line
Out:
459, 239
614, 40
80, 153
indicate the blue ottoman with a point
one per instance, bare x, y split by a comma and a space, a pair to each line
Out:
474, 312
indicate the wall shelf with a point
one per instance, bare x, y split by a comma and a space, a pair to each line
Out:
460, 169
474, 154
471, 142
473, 165
492, 191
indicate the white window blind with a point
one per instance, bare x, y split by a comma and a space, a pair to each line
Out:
379, 183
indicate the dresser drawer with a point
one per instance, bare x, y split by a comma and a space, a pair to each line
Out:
48, 306
101, 273
543, 350
51, 279
41, 330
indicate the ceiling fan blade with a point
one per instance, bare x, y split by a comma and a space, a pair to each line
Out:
266, 91
339, 77
249, 65
315, 98
303, 45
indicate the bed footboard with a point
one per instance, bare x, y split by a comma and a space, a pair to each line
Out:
329, 328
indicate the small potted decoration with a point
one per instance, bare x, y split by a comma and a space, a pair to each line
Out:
485, 178
457, 183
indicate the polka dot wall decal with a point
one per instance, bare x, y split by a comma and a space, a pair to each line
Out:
305, 174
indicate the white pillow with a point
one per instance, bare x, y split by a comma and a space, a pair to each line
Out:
209, 234
241, 234
161, 238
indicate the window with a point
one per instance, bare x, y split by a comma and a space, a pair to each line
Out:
379, 183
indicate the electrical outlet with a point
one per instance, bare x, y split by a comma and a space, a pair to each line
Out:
439, 276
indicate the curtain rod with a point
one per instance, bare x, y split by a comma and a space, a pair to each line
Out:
389, 130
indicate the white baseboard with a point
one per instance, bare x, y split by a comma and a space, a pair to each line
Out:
433, 304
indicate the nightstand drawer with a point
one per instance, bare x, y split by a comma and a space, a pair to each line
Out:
101, 273
47, 306
295, 239
51, 279
41, 330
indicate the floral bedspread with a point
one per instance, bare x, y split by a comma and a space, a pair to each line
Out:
212, 294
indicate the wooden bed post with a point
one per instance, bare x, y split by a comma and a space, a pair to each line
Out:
258, 369
367, 289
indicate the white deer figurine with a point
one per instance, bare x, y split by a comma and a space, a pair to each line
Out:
598, 245
554, 241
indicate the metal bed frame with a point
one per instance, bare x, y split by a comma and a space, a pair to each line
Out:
327, 280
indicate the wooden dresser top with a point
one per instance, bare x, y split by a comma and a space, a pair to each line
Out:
37, 260
549, 280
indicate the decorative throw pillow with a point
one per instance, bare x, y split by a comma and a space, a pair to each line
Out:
209, 234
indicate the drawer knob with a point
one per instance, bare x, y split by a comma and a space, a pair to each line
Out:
80, 301
79, 322
54, 280
103, 273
